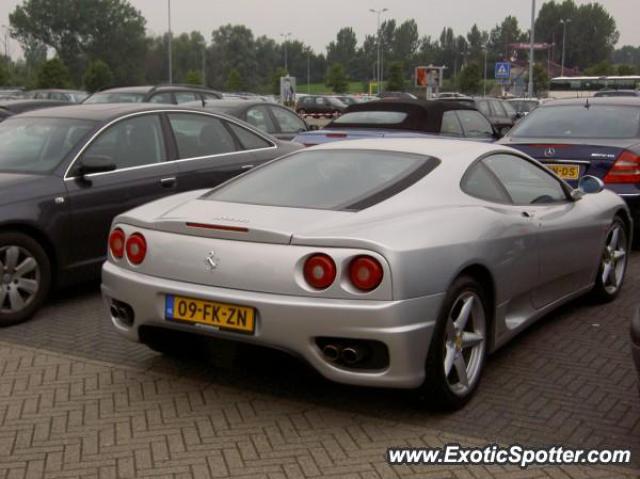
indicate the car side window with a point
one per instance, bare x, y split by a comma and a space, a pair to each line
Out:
186, 96
527, 183
483, 107
496, 108
259, 117
248, 139
475, 124
166, 97
289, 122
136, 141
480, 182
450, 124
200, 135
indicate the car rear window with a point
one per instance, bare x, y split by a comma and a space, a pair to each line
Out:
580, 121
119, 97
328, 179
371, 118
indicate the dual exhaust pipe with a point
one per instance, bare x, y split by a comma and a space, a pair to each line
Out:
349, 355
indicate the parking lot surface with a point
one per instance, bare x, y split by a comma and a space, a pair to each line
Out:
77, 400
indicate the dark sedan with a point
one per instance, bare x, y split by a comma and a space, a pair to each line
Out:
401, 117
14, 107
271, 118
167, 94
593, 136
66, 172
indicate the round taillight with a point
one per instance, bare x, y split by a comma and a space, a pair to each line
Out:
116, 243
320, 271
136, 248
365, 273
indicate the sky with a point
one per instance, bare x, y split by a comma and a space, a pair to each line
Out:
316, 22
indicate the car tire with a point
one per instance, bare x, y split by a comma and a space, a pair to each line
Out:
452, 389
25, 277
613, 263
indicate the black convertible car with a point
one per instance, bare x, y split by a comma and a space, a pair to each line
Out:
404, 118
66, 172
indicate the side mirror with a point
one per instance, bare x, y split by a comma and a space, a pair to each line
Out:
95, 164
590, 184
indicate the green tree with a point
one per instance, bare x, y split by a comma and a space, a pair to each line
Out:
79, 30
343, 50
232, 48
591, 32
97, 76
4, 74
193, 77
603, 68
234, 81
395, 81
626, 70
337, 79
54, 74
470, 79
540, 79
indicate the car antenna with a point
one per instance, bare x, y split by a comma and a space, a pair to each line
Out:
587, 105
204, 102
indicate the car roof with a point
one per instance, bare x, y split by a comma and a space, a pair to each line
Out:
127, 89
436, 147
422, 115
605, 100
17, 106
229, 105
102, 111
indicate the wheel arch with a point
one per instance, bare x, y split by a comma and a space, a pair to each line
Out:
41, 237
483, 275
625, 216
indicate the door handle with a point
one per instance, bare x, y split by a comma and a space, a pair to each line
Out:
168, 182
528, 214
247, 167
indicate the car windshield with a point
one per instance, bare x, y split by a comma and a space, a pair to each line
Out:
580, 121
329, 179
372, 118
38, 145
115, 97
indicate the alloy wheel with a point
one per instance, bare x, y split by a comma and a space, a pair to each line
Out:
19, 278
614, 259
465, 343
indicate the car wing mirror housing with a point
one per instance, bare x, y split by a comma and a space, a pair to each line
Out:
96, 164
590, 184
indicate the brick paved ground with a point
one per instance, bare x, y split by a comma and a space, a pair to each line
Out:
77, 400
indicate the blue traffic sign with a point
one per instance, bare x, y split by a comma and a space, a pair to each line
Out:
503, 71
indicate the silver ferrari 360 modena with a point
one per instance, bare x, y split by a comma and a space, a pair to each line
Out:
397, 263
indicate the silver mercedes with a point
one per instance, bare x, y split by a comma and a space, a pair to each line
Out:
398, 263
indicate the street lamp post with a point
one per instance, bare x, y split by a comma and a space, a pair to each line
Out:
286, 39
170, 44
484, 82
532, 40
379, 72
564, 22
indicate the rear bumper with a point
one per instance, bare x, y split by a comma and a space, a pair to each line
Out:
293, 323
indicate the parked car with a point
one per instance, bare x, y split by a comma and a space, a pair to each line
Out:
66, 172
452, 95
69, 96
316, 104
401, 117
594, 136
167, 94
612, 92
524, 106
635, 341
380, 262
11, 93
499, 112
14, 107
397, 94
277, 120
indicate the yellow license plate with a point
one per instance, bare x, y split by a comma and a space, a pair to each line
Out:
221, 315
566, 172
